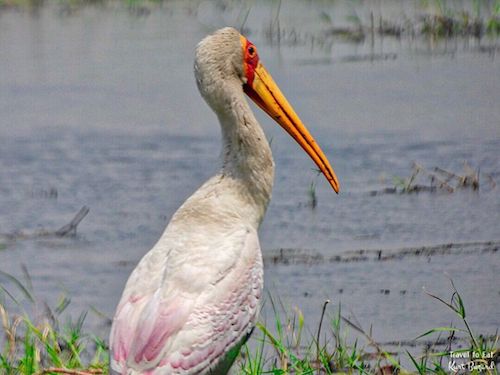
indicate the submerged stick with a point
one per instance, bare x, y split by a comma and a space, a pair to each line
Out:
66, 230
70, 229
491, 180
449, 175
442, 184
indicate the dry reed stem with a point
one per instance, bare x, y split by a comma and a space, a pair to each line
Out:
66, 371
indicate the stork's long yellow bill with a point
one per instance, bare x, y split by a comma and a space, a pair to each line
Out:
267, 95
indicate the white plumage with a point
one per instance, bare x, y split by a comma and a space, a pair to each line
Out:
194, 297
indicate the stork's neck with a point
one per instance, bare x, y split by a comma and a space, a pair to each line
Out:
247, 158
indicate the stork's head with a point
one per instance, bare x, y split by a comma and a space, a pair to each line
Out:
226, 62
219, 66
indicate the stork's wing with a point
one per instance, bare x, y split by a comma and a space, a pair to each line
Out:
183, 325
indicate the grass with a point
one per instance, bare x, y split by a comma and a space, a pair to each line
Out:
447, 22
329, 351
44, 345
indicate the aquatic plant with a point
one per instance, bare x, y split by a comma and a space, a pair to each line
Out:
439, 179
493, 23
311, 192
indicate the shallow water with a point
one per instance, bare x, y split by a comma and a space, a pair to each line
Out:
99, 108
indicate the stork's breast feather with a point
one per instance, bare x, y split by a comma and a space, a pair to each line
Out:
187, 332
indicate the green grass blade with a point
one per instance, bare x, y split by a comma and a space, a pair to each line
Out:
19, 284
439, 329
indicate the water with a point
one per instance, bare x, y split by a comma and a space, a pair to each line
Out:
99, 107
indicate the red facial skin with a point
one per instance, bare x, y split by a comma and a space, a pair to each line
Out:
251, 60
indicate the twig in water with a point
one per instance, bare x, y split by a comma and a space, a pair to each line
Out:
492, 182
66, 230
66, 371
277, 22
242, 26
449, 175
70, 229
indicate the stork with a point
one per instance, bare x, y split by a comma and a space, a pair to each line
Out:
193, 299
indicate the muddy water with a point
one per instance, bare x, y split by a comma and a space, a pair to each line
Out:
99, 108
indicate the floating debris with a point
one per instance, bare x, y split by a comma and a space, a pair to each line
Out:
68, 230
51, 193
438, 180
309, 257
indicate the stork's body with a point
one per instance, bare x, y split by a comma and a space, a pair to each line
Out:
194, 298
